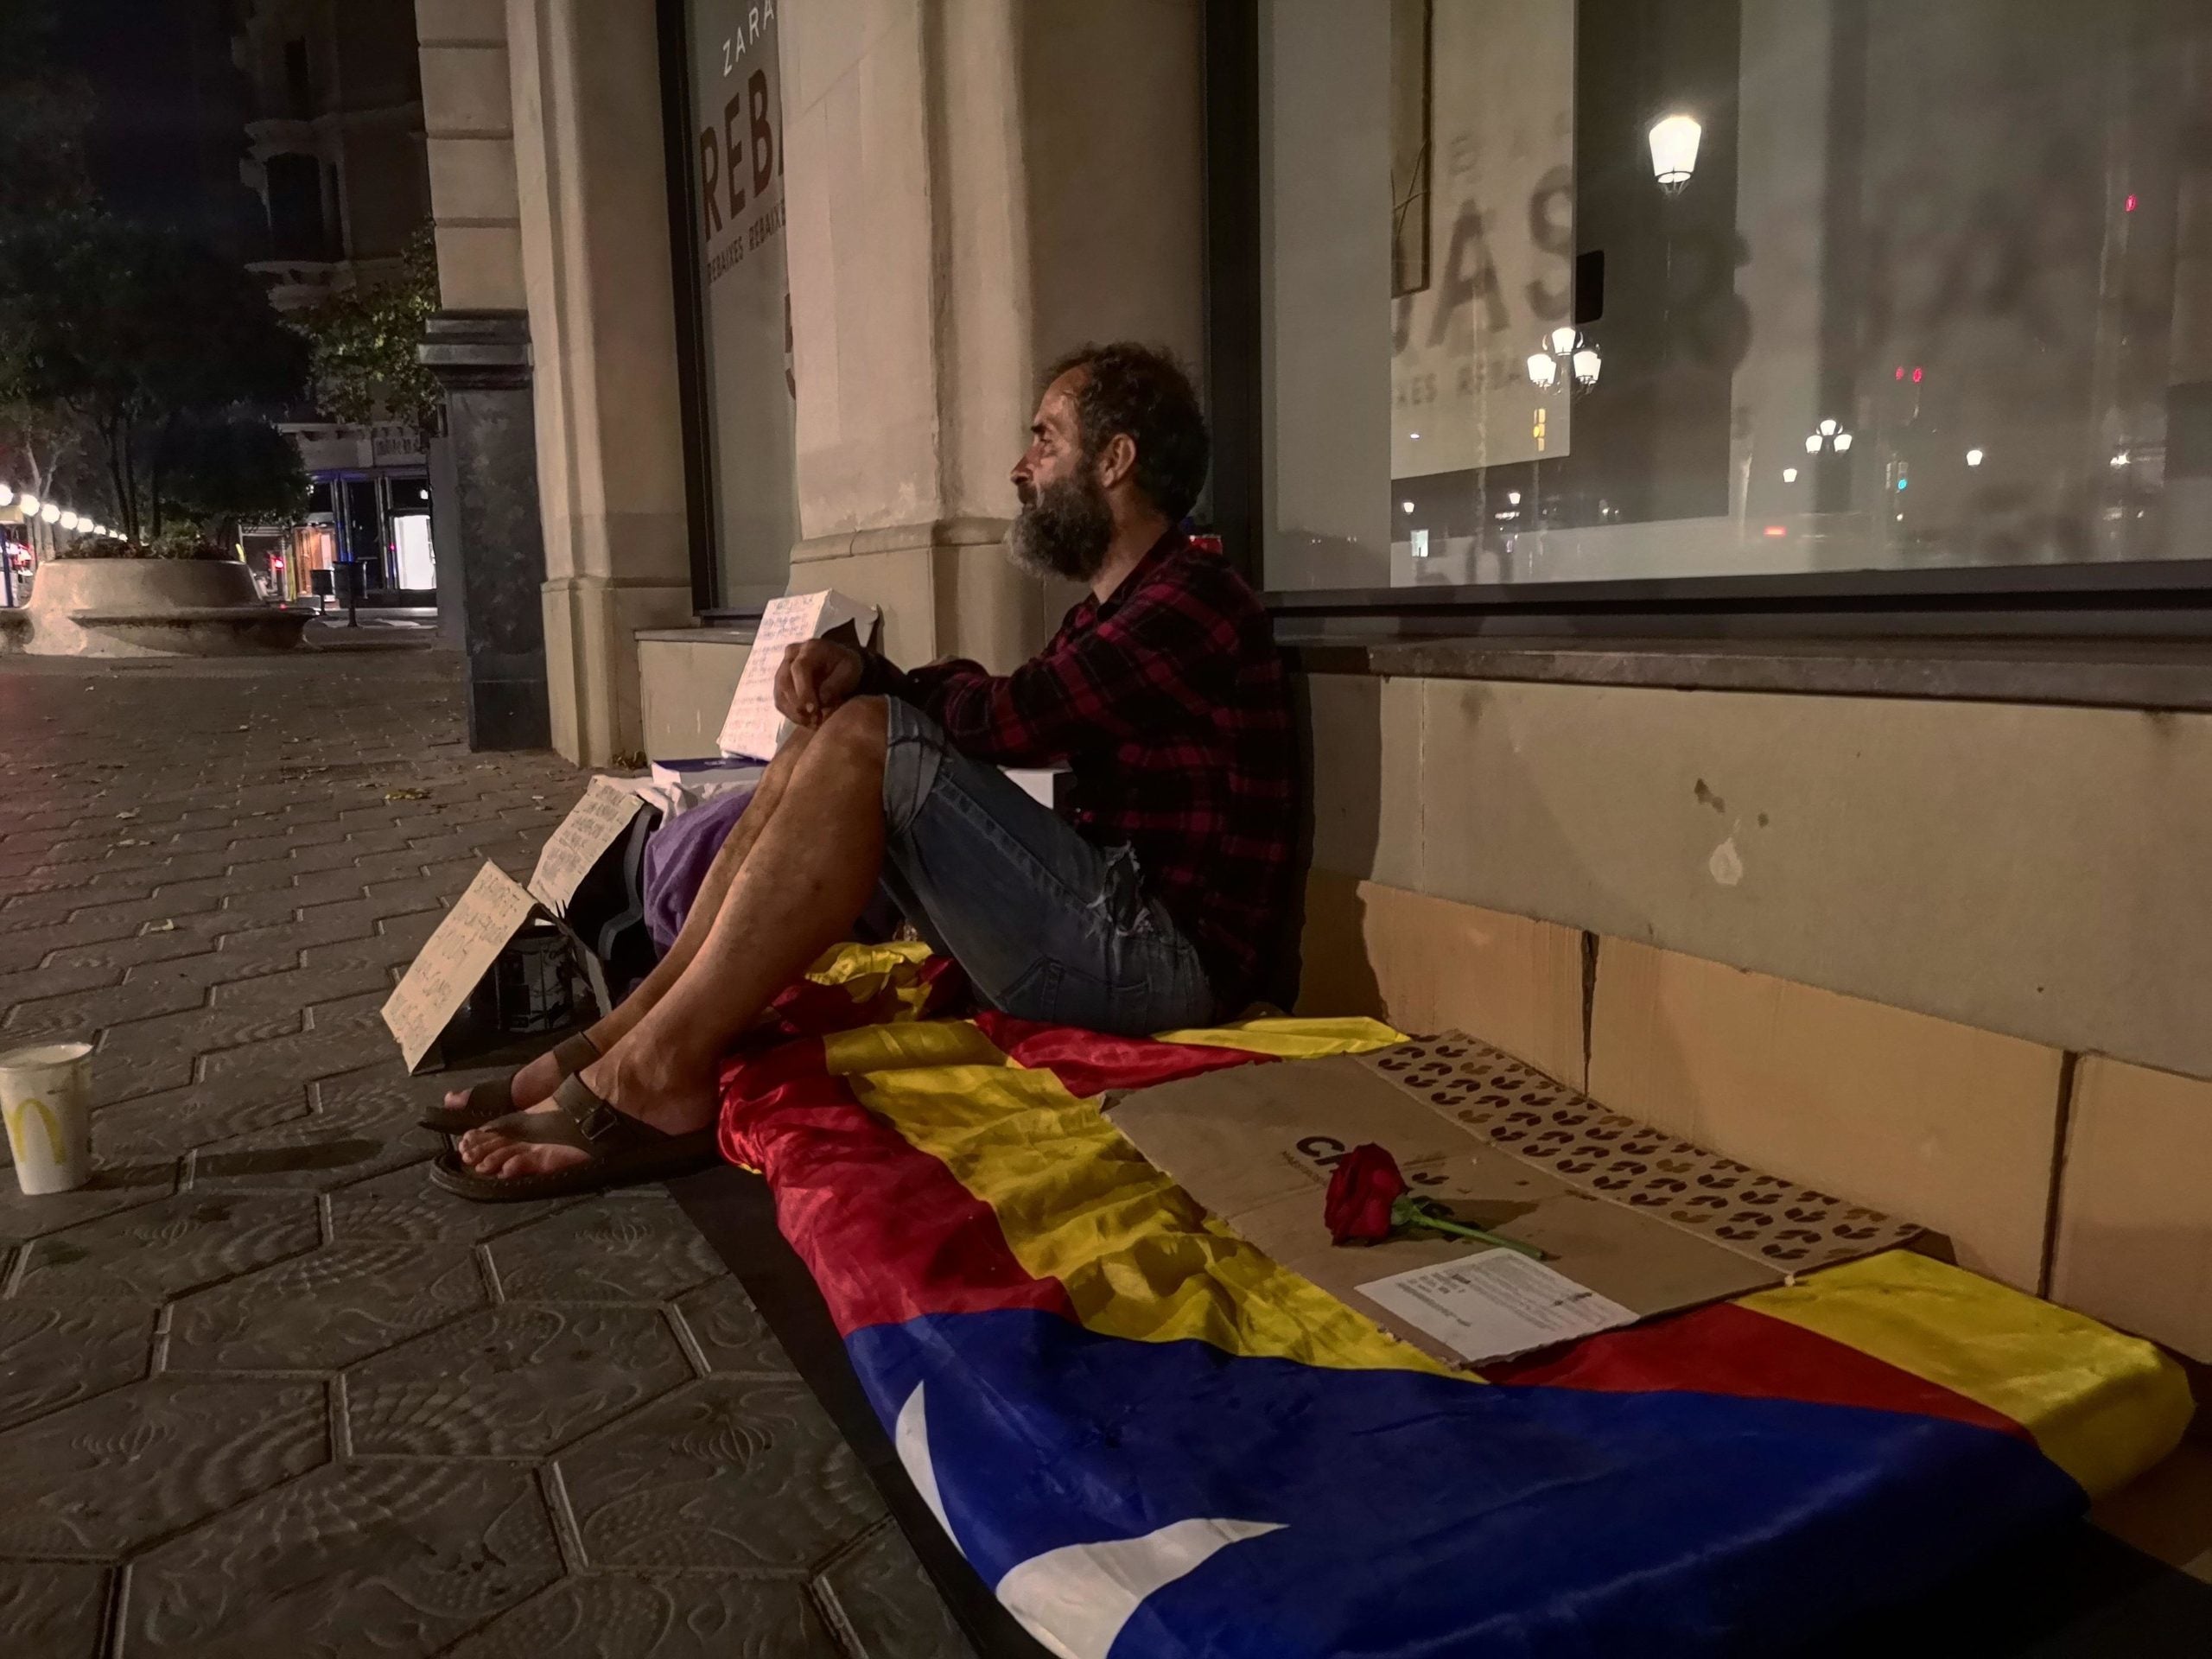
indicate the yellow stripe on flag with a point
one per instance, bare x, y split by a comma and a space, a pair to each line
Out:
2102, 1406
1292, 1039
1078, 1203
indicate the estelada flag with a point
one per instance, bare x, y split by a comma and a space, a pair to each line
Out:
1151, 1439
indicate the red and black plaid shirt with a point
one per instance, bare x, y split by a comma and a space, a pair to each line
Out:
1167, 704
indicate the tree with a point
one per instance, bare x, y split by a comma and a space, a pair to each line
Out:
363, 360
230, 469
138, 334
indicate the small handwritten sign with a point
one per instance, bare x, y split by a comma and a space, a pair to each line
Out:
592, 825
458, 955
753, 728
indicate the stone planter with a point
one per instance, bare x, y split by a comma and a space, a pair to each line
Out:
153, 607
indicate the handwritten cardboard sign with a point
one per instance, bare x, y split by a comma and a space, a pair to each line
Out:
457, 955
592, 825
494, 908
753, 728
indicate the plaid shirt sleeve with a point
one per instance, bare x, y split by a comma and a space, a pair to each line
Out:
1162, 661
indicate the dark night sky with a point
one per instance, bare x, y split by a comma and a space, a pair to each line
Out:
166, 143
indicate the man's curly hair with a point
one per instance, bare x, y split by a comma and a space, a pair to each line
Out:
1142, 390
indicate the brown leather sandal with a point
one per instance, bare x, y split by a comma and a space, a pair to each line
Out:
624, 1149
496, 1099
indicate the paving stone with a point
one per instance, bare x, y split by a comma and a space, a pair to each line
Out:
323, 1310
115, 1185
389, 1559
509, 1382
167, 1248
403, 1206
883, 1604
735, 1474
633, 1252
192, 1449
53, 1354
48, 1611
669, 1615
727, 1333
172, 1121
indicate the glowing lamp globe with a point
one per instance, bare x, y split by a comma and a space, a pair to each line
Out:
1673, 151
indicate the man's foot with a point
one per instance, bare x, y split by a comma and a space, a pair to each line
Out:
533, 1082
673, 1097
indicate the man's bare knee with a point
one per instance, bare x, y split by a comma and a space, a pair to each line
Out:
859, 727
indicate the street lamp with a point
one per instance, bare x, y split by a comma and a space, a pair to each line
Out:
1831, 436
7, 494
30, 506
51, 513
1564, 350
1673, 151
1973, 457
69, 520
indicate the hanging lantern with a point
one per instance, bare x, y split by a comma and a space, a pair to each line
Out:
1586, 367
1543, 369
1673, 151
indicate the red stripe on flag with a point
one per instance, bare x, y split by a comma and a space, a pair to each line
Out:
1726, 1350
1089, 1062
887, 1230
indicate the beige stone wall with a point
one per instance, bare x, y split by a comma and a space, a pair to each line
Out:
1948, 959
586, 85
469, 127
972, 189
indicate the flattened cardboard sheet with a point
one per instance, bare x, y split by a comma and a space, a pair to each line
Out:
1257, 1145
1520, 1110
753, 728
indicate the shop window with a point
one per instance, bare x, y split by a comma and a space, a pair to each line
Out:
1932, 291
734, 295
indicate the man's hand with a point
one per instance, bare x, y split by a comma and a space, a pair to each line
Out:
814, 678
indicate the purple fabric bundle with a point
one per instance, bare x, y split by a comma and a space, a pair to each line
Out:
677, 857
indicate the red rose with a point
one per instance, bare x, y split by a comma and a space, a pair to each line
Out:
1361, 1192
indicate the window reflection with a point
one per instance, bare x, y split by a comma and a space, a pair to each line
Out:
1558, 291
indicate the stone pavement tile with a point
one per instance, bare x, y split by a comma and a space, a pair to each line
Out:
167, 1248
192, 937
140, 1057
117, 1185
312, 859
300, 989
669, 1616
727, 1337
734, 1474
192, 1449
639, 1251
883, 1604
323, 1310
304, 1054
53, 1354
391, 1560
509, 1382
344, 1009
172, 1121
311, 1155
403, 1206
34, 984
81, 1014
48, 1611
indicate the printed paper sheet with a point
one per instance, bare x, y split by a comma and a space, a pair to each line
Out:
1494, 1304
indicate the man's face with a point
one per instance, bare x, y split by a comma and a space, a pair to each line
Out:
1065, 523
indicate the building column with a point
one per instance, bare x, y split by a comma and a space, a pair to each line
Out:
594, 207
484, 497
483, 502
970, 191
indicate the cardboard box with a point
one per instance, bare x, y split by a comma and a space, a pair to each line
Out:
1630, 1222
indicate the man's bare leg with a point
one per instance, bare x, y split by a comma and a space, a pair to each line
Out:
811, 871
536, 1080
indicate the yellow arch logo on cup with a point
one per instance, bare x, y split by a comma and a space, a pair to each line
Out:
20, 1113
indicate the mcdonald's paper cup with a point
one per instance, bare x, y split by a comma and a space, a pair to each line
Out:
46, 1098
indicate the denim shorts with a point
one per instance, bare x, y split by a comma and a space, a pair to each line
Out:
1046, 925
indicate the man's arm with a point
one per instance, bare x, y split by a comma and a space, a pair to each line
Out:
1156, 665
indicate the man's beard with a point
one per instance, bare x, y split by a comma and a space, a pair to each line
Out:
1064, 529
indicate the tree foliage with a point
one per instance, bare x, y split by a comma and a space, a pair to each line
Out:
362, 344
143, 336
